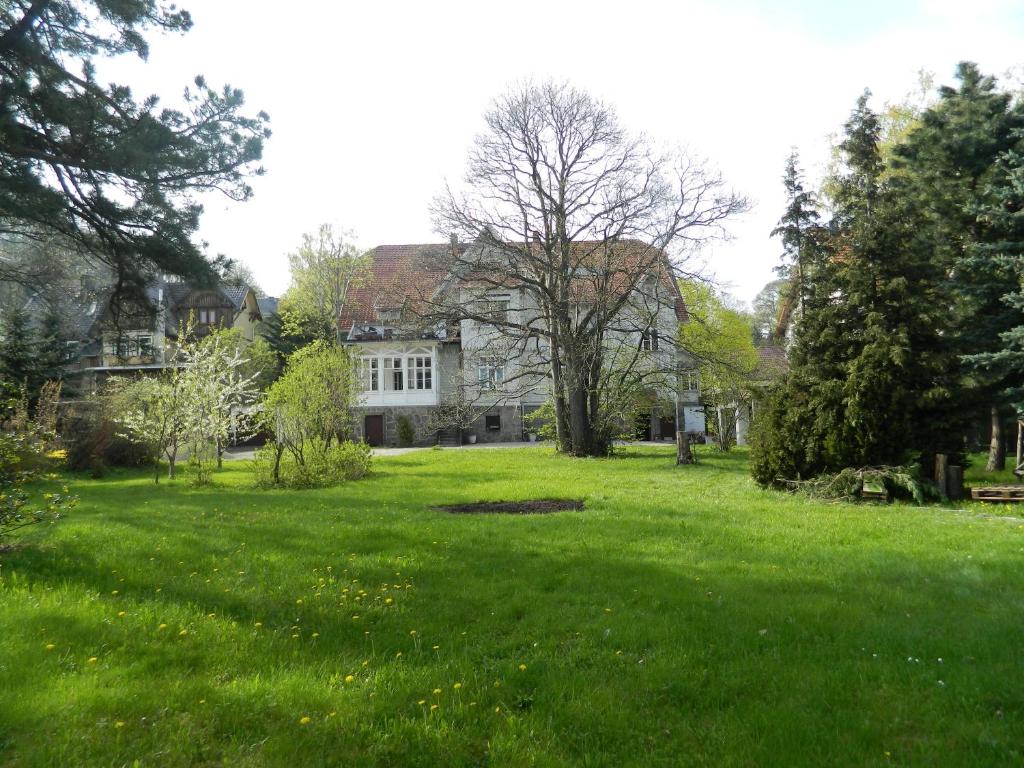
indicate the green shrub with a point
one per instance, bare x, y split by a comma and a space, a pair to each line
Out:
24, 448
275, 467
93, 441
406, 432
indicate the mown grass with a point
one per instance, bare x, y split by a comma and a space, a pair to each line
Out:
684, 617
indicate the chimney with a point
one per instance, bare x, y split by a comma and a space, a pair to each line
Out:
454, 240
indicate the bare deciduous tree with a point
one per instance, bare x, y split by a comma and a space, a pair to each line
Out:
591, 226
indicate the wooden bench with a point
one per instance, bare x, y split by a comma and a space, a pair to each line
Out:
998, 493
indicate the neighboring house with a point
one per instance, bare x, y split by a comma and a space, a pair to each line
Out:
143, 338
772, 366
409, 366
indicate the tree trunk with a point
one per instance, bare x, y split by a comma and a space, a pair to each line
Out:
220, 454
1020, 439
997, 448
941, 470
579, 423
684, 453
172, 457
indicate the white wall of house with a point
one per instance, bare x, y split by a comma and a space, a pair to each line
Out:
395, 373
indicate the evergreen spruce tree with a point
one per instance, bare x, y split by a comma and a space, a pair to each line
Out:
799, 231
946, 169
1004, 216
50, 349
867, 376
17, 359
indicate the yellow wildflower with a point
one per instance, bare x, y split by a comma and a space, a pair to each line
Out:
304, 720
162, 626
120, 614
119, 724
349, 679
433, 707
92, 659
522, 667
50, 646
457, 686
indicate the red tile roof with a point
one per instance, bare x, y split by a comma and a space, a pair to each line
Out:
399, 274
408, 275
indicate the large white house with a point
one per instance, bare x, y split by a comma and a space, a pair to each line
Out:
411, 362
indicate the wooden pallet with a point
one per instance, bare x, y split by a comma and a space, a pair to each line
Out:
998, 493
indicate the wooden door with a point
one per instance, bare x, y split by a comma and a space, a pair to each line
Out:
373, 430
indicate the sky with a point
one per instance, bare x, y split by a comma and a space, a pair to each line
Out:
374, 105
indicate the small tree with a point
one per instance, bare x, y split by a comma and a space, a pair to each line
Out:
721, 341
310, 407
153, 413
23, 445
323, 269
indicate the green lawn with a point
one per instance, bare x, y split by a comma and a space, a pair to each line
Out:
684, 617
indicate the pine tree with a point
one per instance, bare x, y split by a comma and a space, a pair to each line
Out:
85, 161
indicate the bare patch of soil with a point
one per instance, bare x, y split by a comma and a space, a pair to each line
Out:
535, 507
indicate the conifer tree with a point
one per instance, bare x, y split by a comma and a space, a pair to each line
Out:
17, 361
867, 377
947, 166
799, 231
1004, 215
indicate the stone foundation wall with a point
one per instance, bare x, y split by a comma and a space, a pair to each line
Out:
510, 423
418, 415
509, 417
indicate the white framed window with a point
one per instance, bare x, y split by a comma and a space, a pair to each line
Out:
491, 373
649, 340
420, 372
690, 380
208, 316
370, 371
394, 374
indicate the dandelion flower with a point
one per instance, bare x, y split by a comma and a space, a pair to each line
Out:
436, 647
162, 626
421, 702
522, 667
120, 614
433, 707
388, 601
92, 659
316, 634
497, 709
119, 724
457, 686
398, 654
258, 624
183, 633
114, 592
349, 679
437, 691
50, 646
304, 720
412, 631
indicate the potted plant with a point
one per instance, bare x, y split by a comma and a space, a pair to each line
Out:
471, 438
531, 436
